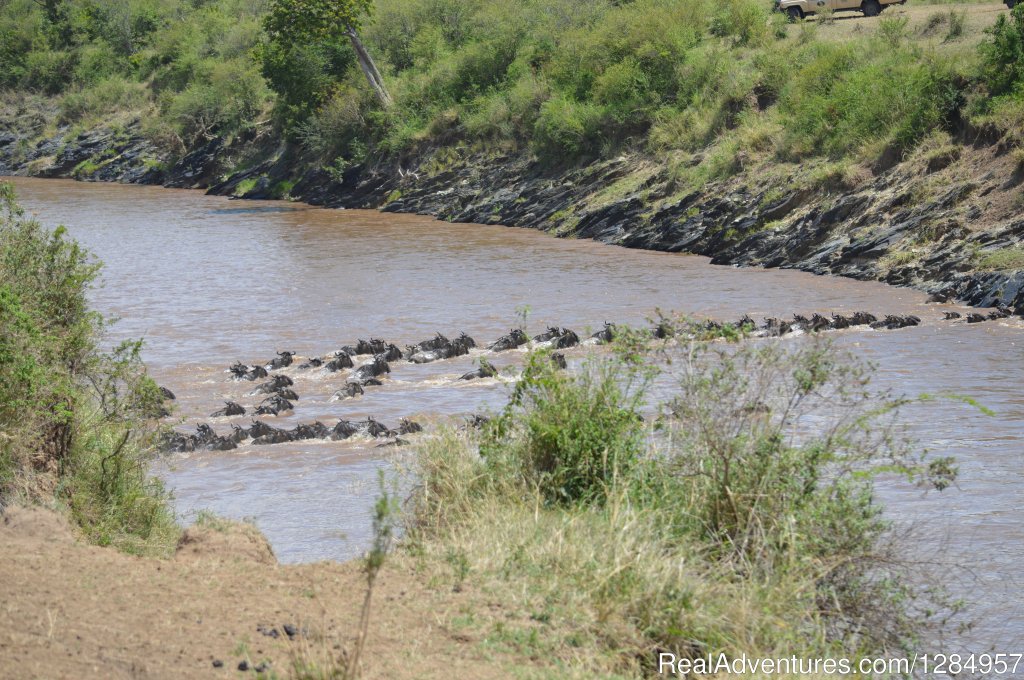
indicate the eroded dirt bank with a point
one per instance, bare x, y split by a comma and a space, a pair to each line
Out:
75, 610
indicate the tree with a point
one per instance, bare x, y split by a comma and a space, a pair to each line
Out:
291, 22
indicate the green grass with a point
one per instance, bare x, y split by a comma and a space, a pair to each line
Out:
1003, 259
245, 186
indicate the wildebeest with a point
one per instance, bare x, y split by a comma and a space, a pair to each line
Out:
776, 327
550, 333
513, 339
567, 339
663, 330
282, 360
230, 409
559, 338
276, 383
343, 430
339, 362
606, 334
892, 322
745, 324
371, 346
349, 390
373, 428
315, 431
371, 370
272, 435
274, 405
818, 323
436, 342
862, 319
240, 371
486, 370
453, 348
406, 426
204, 439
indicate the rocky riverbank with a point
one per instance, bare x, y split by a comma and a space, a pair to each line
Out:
947, 220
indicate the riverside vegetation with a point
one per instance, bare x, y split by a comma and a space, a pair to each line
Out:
571, 79
885, 148
76, 422
740, 520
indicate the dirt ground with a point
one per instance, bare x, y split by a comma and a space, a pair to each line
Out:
926, 23
71, 610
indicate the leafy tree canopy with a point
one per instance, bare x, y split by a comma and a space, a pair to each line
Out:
295, 21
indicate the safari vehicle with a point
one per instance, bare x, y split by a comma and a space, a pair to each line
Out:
798, 9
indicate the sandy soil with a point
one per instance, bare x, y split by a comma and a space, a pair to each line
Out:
922, 28
70, 610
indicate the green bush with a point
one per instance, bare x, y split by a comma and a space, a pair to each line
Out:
48, 71
226, 98
337, 129
1003, 55
840, 102
303, 77
104, 97
75, 422
568, 129
625, 91
570, 436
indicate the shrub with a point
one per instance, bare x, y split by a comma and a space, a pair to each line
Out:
1002, 259
303, 77
893, 30
105, 97
569, 436
48, 71
957, 20
75, 422
509, 114
97, 62
841, 102
337, 129
230, 95
625, 91
1003, 55
568, 129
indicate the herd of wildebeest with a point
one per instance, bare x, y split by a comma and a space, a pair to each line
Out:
280, 395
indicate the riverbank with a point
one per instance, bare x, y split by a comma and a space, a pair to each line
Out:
943, 216
75, 610
946, 221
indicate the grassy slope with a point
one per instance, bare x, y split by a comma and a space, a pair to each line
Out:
564, 79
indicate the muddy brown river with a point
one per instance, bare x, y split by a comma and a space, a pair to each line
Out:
208, 281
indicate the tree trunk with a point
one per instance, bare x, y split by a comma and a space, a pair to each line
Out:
369, 69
